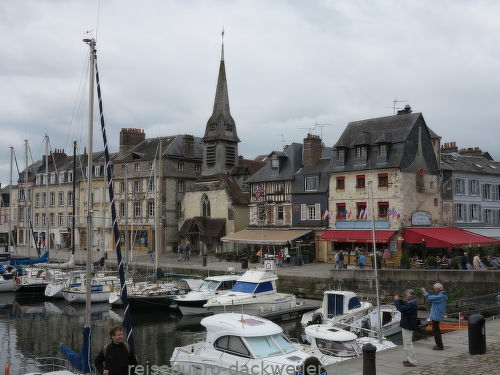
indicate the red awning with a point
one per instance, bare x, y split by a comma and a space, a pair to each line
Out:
446, 237
356, 235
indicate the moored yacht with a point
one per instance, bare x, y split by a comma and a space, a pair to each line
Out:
338, 306
101, 286
332, 344
241, 344
8, 279
368, 324
192, 303
255, 294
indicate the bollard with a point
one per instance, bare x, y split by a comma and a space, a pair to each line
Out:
477, 334
204, 260
369, 364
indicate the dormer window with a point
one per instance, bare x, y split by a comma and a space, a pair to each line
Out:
311, 183
340, 154
275, 163
360, 152
382, 150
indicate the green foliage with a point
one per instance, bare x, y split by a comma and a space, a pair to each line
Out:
431, 261
405, 260
455, 263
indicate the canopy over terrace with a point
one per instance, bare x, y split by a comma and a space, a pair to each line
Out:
359, 236
265, 236
447, 238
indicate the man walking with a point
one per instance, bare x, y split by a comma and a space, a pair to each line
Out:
408, 324
341, 259
116, 358
438, 301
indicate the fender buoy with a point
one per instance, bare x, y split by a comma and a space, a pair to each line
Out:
18, 280
6, 369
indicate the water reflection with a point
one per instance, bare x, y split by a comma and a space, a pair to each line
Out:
33, 328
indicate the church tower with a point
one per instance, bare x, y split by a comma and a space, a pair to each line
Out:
220, 143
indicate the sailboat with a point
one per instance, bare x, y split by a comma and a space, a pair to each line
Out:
81, 361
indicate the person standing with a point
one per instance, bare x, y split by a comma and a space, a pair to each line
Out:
280, 258
408, 324
362, 261
386, 255
116, 358
476, 262
438, 307
336, 259
180, 251
341, 259
356, 255
187, 252
464, 260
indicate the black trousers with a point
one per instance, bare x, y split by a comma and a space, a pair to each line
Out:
437, 334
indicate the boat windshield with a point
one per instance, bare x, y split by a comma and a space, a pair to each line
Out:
244, 287
339, 348
209, 285
266, 346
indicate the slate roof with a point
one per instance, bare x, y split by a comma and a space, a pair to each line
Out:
465, 163
247, 166
290, 163
399, 132
173, 146
321, 169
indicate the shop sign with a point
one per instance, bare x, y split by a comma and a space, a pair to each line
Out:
421, 218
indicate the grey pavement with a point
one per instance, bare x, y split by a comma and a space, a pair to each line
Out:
454, 359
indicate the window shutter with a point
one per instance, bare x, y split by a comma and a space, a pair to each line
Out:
317, 211
303, 212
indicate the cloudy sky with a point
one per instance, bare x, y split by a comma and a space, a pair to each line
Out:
290, 65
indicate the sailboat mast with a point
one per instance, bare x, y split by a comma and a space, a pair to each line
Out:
73, 202
91, 43
157, 217
26, 234
47, 221
127, 234
10, 199
379, 316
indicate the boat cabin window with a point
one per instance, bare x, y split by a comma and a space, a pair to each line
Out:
246, 287
265, 346
209, 285
227, 285
335, 305
233, 345
354, 303
339, 348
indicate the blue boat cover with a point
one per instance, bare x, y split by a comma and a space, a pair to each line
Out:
25, 262
80, 361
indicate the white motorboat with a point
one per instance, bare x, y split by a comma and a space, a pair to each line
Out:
8, 279
101, 287
32, 281
368, 324
192, 303
255, 294
332, 344
241, 344
338, 306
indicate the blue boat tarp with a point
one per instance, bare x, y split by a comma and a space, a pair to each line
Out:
80, 361
25, 262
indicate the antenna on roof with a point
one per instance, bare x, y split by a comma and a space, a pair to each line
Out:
309, 130
394, 104
282, 140
321, 126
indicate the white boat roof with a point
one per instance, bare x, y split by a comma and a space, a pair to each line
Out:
234, 324
258, 276
328, 332
223, 278
346, 293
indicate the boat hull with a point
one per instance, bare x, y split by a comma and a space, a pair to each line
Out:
257, 308
8, 286
194, 307
80, 297
152, 302
32, 289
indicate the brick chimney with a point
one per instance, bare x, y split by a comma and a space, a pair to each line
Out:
312, 149
471, 151
405, 111
130, 137
449, 147
188, 145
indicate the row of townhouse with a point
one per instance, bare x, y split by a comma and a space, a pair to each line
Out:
391, 171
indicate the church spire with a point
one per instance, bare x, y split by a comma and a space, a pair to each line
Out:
221, 124
220, 143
